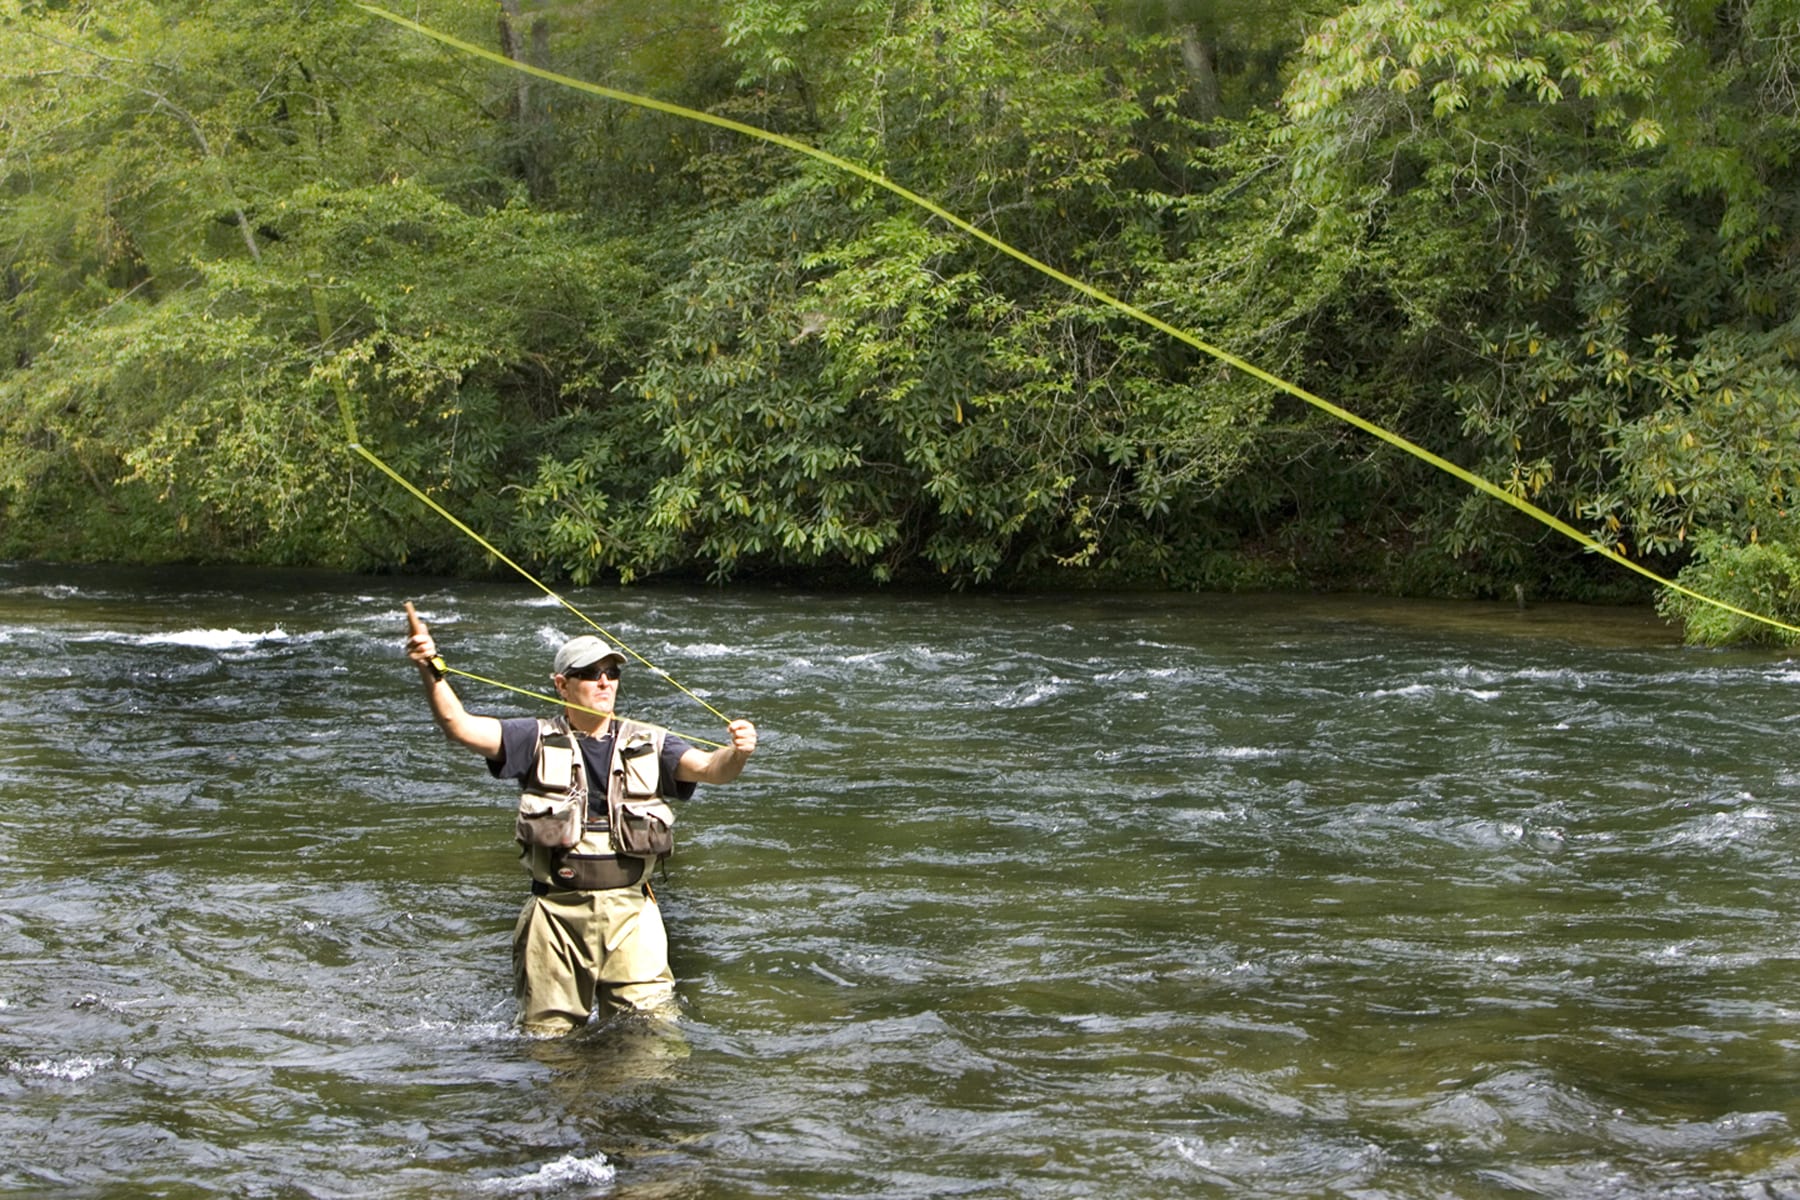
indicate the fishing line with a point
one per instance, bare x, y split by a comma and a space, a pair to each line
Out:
445, 513
447, 669
1224, 356
355, 443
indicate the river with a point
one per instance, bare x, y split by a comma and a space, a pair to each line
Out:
1036, 897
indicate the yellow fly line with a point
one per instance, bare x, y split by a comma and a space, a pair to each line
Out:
1473, 480
355, 443
445, 513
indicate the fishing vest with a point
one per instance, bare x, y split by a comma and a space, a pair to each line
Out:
613, 851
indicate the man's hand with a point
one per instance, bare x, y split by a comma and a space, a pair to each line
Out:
478, 733
420, 647
724, 764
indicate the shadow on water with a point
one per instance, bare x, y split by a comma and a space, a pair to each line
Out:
1045, 896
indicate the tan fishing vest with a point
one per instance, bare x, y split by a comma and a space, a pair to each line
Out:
594, 862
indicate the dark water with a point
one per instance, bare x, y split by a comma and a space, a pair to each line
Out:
1045, 897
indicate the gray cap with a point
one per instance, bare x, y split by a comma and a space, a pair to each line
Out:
581, 652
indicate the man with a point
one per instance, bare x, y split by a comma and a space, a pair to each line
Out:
596, 932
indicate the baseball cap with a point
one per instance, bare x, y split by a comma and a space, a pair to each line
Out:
581, 652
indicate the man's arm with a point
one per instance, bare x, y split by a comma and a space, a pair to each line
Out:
722, 765
478, 733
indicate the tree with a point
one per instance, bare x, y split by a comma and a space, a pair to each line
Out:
1574, 222
842, 382
226, 176
1553, 240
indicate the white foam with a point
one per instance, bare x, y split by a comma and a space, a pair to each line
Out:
1725, 827
1032, 695
50, 591
565, 1172
1414, 691
68, 1070
214, 639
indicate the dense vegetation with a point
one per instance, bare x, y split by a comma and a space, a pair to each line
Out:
1555, 241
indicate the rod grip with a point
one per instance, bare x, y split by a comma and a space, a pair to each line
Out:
413, 624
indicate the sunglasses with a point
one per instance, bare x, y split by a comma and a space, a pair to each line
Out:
594, 671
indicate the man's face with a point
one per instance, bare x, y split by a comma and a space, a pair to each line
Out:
594, 686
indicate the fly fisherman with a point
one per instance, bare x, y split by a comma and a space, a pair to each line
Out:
593, 821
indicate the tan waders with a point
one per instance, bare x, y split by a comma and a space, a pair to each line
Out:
573, 947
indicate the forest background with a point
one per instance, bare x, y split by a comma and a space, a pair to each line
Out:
1555, 241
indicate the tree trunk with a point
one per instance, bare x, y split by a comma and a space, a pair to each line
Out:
529, 126
1197, 54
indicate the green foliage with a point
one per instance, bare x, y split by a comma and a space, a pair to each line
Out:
1587, 208
839, 383
1759, 577
1558, 242
197, 376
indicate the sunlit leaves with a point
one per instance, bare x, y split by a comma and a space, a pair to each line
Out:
1553, 240
1547, 50
1613, 302
183, 187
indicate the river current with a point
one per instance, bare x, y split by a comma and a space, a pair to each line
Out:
1022, 897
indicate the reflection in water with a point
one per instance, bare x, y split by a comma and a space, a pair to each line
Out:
600, 1075
600, 1063
1030, 897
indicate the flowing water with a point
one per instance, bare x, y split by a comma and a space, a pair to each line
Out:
1058, 896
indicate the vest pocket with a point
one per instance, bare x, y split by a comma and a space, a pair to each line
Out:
644, 828
550, 821
643, 766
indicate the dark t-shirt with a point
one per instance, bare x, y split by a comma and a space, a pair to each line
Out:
519, 740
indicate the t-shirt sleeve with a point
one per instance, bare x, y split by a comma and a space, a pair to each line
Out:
518, 748
673, 749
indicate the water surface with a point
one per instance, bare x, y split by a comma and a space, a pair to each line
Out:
1053, 896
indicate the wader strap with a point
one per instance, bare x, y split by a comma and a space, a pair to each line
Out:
544, 889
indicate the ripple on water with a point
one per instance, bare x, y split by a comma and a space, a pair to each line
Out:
1027, 897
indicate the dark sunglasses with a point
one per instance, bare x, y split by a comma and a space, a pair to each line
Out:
594, 671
